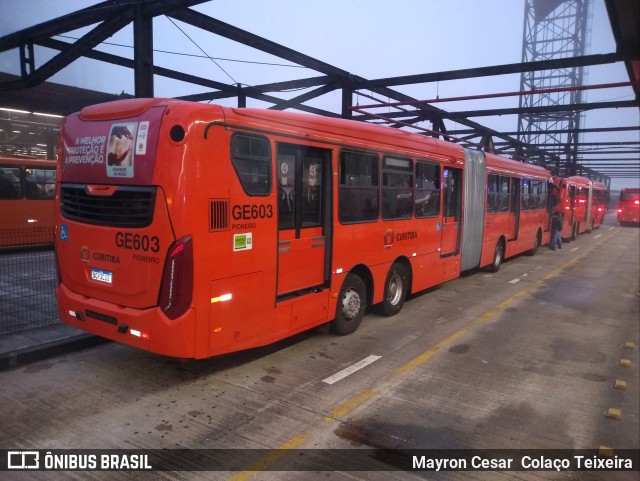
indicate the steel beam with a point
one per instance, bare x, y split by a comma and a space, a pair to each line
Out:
223, 29
81, 18
295, 101
514, 111
86, 17
560, 131
126, 62
599, 59
73, 52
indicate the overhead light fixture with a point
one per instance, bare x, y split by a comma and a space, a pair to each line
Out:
27, 112
15, 110
49, 115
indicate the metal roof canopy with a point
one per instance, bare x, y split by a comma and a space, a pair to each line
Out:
30, 92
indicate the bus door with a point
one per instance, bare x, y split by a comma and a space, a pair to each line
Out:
514, 209
553, 203
451, 211
303, 195
572, 207
579, 205
589, 206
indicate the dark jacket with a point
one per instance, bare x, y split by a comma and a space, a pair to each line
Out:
556, 222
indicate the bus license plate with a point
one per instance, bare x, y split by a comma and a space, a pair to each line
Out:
102, 276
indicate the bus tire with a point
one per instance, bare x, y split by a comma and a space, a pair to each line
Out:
498, 257
395, 290
352, 301
536, 244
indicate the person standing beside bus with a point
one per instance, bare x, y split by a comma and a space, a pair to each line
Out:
556, 229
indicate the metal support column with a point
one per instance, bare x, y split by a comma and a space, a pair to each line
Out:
347, 99
27, 60
143, 52
51, 136
242, 97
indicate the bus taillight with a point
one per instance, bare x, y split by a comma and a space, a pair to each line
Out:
177, 279
636, 202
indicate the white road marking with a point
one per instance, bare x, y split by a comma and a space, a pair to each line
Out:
519, 278
351, 369
574, 249
599, 235
611, 228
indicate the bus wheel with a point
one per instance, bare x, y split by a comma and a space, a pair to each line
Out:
498, 256
536, 244
351, 305
395, 290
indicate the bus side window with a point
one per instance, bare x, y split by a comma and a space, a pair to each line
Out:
299, 174
514, 195
542, 194
427, 193
286, 169
358, 193
497, 193
40, 183
251, 159
452, 186
10, 184
397, 188
555, 195
493, 194
504, 193
526, 194
311, 202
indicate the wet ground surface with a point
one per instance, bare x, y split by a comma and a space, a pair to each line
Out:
525, 358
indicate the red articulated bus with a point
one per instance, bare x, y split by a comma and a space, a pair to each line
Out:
27, 189
629, 207
193, 230
582, 203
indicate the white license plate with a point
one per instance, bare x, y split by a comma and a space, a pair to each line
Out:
102, 276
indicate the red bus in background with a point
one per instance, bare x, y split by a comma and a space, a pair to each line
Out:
600, 199
629, 206
582, 203
193, 230
27, 190
518, 210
